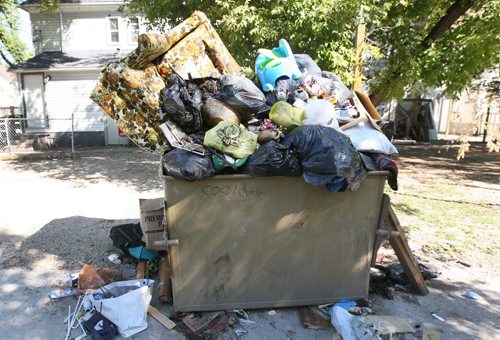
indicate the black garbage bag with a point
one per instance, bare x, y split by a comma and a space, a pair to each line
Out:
125, 236
307, 64
326, 157
185, 165
182, 101
242, 95
273, 159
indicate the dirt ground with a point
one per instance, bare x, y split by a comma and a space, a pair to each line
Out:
56, 213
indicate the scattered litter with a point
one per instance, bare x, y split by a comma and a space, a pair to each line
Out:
384, 278
342, 320
381, 326
196, 322
94, 278
311, 319
436, 316
271, 312
246, 321
61, 293
72, 280
115, 258
473, 295
240, 331
132, 296
161, 318
346, 304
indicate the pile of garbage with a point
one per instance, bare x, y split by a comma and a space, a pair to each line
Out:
182, 95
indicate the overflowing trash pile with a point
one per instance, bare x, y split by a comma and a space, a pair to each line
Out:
182, 95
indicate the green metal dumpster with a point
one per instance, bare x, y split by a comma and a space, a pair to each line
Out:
237, 241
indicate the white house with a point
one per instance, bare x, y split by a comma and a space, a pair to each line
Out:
71, 45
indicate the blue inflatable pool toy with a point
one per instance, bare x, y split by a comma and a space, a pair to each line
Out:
276, 63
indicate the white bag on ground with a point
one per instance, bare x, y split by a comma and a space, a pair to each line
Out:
342, 321
365, 137
125, 303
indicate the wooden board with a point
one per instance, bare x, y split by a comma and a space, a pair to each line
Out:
161, 318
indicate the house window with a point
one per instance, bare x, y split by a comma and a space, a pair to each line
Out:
133, 30
113, 29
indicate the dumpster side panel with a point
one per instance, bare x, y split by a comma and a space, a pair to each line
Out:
255, 242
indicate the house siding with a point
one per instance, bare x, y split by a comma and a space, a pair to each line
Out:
67, 94
46, 30
89, 31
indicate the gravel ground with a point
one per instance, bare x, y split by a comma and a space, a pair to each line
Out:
57, 213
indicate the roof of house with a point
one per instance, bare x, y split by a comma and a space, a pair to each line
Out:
68, 60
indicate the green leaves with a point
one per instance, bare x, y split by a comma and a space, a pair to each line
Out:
395, 56
12, 49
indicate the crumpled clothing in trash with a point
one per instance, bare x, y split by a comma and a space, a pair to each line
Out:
326, 157
231, 139
380, 162
129, 88
182, 102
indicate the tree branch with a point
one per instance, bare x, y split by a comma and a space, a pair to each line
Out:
456, 10
6, 59
453, 13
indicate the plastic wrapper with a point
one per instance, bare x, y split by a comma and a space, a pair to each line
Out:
325, 155
185, 165
273, 159
342, 91
286, 115
287, 90
182, 102
242, 95
231, 139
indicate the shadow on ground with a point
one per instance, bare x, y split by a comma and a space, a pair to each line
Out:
125, 166
478, 164
65, 244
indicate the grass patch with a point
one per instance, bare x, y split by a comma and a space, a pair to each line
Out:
453, 228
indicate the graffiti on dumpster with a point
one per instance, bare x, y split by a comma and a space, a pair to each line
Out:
241, 192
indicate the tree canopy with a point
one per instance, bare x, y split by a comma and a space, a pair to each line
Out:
433, 43
12, 49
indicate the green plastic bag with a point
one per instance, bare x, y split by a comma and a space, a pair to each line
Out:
286, 115
231, 139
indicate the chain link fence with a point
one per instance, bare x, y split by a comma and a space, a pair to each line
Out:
11, 132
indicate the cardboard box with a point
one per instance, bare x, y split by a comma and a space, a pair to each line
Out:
152, 221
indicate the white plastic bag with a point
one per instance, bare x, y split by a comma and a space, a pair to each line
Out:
342, 321
125, 303
365, 137
321, 112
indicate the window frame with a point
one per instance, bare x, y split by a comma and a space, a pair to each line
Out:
130, 35
109, 30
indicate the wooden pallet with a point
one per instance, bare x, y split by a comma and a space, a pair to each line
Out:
390, 228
